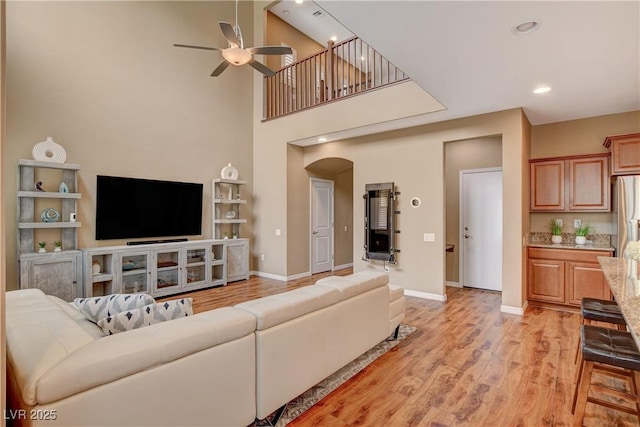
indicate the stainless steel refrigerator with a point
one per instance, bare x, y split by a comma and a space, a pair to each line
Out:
626, 215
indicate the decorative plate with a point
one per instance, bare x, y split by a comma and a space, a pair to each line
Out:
50, 215
230, 214
229, 172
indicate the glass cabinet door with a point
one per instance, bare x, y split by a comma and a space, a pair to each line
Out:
196, 271
135, 272
168, 271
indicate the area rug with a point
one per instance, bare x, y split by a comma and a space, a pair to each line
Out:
312, 396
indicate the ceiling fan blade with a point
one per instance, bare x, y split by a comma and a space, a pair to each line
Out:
229, 33
270, 50
223, 66
262, 68
195, 47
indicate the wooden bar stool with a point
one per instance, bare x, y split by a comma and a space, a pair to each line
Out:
614, 353
600, 310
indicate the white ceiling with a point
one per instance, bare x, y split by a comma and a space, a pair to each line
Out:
465, 56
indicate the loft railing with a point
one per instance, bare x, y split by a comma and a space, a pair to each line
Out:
344, 69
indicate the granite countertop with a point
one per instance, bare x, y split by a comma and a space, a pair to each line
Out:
623, 274
596, 242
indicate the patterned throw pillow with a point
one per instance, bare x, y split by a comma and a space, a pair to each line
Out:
147, 315
174, 309
98, 308
128, 320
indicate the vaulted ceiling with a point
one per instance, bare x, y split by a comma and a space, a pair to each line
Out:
466, 55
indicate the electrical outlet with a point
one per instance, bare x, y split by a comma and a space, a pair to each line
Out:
577, 223
278, 232
559, 221
261, 257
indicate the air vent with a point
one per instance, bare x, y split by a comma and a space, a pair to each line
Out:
317, 13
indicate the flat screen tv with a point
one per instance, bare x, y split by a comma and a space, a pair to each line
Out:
133, 208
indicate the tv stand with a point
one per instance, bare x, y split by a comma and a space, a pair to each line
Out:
153, 242
163, 269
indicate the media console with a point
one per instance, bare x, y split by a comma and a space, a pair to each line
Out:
162, 269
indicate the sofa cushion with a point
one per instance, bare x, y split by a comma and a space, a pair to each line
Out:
98, 308
72, 311
147, 315
355, 284
39, 336
276, 309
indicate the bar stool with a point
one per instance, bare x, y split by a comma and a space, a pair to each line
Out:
613, 352
600, 310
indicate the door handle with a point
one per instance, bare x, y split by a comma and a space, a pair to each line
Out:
466, 236
466, 228
315, 232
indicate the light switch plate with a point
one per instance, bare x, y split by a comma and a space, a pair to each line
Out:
429, 237
577, 223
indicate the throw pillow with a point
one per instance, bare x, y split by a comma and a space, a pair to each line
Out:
147, 315
128, 320
98, 308
174, 309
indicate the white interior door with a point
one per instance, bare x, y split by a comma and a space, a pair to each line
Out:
481, 228
321, 225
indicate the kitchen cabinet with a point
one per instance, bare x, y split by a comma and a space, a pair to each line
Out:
562, 277
625, 153
570, 184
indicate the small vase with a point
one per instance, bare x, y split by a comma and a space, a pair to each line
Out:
95, 268
57, 249
581, 240
42, 250
556, 239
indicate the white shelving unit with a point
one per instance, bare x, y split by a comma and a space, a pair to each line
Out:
56, 273
227, 199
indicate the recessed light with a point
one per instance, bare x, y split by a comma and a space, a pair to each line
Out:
322, 139
299, 1
541, 89
334, 38
525, 27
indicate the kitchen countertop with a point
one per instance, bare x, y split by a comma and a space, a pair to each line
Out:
587, 247
622, 275
595, 242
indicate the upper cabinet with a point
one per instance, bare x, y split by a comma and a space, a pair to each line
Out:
625, 153
567, 184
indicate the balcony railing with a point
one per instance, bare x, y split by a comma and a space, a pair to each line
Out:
344, 69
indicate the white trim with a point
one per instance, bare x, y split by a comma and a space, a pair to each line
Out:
514, 310
453, 284
425, 295
343, 266
279, 277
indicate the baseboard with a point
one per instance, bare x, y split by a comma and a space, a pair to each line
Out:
425, 295
342, 267
514, 310
278, 277
453, 284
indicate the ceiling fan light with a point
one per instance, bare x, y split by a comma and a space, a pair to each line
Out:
236, 56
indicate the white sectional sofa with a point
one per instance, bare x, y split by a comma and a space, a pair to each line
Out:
223, 367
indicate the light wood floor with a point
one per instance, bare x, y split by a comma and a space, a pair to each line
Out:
467, 364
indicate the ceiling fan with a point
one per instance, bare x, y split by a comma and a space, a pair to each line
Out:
236, 54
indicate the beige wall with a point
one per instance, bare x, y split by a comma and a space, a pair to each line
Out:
574, 137
460, 155
344, 221
413, 159
103, 79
